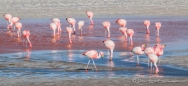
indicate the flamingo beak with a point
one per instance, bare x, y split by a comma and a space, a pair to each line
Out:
164, 44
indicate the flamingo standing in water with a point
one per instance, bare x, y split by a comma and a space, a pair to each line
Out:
53, 26
8, 18
13, 21
158, 26
147, 24
130, 33
154, 58
72, 22
58, 23
69, 31
139, 51
90, 15
150, 50
80, 25
110, 45
26, 34
18, 26
160, 51
121, 22
93, 54
106, 25
124, 32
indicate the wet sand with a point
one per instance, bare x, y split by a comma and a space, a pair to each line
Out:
135, 12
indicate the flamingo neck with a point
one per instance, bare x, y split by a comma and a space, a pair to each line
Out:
99, 55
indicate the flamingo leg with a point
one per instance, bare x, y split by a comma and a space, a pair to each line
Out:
87, 65
111, 54
94, 65
137, 60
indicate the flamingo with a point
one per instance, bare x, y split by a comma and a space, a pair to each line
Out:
18, 26
130, 33
158, 26
121, 22
13, 21
93, 54
26, 34
69, 31
8, 18
110, 45
124, 32
72, 22
58, 23
90, 15
139, 51
147, 24
154, 58
106, 25
150, 50
80, 25
53, 26
160, 51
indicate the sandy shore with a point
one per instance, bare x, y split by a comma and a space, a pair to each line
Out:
64, 8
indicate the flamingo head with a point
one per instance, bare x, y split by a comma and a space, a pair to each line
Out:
143, 47
101, 53
9, 26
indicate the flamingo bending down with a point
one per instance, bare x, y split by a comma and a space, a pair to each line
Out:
160, 51
90, 15
130, 33
147, 24
139, 51
110, 45
69, 31
106, 25
18, 26
80, 25
158, 26
154, 58
93, 54
53, 26
121, 22
124, 32
72, 22
8, 18
58, 23
26, 34
14, 20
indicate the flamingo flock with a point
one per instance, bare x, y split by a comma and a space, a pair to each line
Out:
152, 53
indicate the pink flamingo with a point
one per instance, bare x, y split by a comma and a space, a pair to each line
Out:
147, 23
90, 15
53, 26
8, 18
26, 34
158, 26
121, 22
124, 32
138, 51
72, 22
150, 50
160, 51
130, 33
69, 31
110, 45
18, 26
154, 58
58, 23
14, 20
93, 54
80, 25
106, 25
